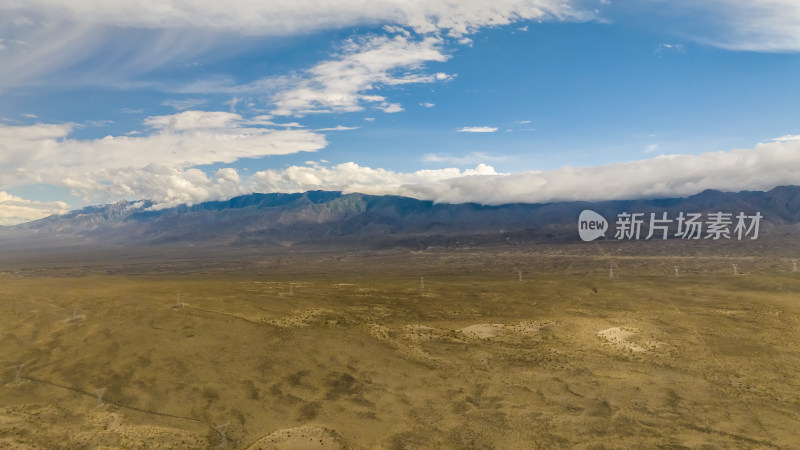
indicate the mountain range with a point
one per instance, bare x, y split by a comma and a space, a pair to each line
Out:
333, 218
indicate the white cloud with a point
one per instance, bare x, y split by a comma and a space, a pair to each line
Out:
472, 158
170, 187
339, 84
350, 177
390, 108
45, 153
477, 129
166, 186
99, 123
675, 48
788, 137
217, 84
337, 128
427, 104
296, 16
59, 53
753, 25
396, 30
111, 42
194, 120
30, 116
266, 120
182, 105
764, 167
232, 103
441, 76
651, 148
14, 210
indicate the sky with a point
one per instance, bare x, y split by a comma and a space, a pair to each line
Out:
471, 101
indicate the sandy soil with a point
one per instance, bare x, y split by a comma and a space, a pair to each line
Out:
355, 358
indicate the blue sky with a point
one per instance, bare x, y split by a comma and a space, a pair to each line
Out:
513, 100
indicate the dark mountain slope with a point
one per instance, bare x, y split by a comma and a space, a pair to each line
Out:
319, 216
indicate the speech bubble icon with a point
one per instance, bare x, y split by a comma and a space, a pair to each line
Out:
591, 225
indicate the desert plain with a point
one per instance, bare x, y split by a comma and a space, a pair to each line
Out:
565, 346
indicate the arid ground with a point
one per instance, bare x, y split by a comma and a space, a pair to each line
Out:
348, 350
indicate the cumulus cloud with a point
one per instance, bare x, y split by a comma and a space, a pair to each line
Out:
350, 177
441, 76
14, 210
169, 187
390, 108
45, 153
764, 167
477, 129
166, 186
